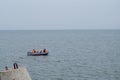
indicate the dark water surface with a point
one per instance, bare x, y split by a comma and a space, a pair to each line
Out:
74, 54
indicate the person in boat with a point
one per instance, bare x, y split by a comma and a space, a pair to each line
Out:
44, 50
39, 51
33, 51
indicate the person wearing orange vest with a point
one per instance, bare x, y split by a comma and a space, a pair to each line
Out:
33, 51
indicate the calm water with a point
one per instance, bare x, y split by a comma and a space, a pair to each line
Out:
74, 54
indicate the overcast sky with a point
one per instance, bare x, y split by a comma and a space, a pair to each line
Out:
59, 14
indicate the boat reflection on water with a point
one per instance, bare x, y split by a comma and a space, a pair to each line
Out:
38, 57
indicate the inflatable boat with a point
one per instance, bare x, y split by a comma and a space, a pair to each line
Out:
37, 54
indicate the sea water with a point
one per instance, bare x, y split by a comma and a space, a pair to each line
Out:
73, 54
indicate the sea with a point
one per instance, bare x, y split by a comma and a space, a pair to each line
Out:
73, 54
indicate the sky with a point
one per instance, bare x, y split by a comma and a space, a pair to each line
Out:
59, 14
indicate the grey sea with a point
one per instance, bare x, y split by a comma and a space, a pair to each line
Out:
73, 54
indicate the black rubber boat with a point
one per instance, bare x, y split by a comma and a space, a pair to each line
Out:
37, 54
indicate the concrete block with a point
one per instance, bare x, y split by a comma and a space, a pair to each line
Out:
15, 74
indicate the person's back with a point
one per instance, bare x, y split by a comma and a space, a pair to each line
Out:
45, 51
33, 51
39, 51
